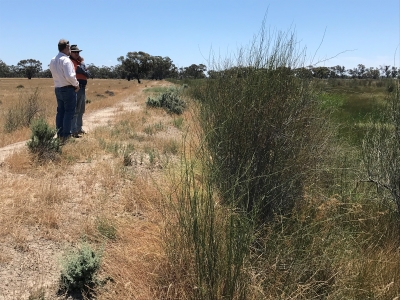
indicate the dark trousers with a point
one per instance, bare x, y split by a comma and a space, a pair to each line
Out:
77, 121
66, 103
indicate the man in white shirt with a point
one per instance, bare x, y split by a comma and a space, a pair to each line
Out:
66, 86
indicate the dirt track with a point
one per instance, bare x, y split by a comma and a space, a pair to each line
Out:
91, 121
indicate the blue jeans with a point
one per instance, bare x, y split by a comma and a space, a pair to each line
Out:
66, 102
80, 109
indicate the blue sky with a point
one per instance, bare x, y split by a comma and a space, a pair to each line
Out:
190, 31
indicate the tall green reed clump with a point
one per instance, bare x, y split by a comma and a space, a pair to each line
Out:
259, 137
207, 244
263, 128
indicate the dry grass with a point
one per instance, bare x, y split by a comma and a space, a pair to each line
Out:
92, 194
13, 90
89, 193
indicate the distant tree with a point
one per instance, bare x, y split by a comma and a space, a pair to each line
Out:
352, 72
45, 73
360, 71
212, 74
394, 72
173, 72
157, 68
4, 69
372, 73
340, 71
332, 72
385, 71
29, 67
105, 72
94, 71
194, 71
136, 64
14, 71
119, 72
321, 72
161, 67
303, 73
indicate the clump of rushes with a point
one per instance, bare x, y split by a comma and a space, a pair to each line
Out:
263, 128
261, 137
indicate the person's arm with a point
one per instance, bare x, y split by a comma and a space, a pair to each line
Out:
81, 69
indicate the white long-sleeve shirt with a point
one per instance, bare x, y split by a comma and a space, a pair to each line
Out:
63, 71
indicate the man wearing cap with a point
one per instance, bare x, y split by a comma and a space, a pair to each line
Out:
82, 74
66, 86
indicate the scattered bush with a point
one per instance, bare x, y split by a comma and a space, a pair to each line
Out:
169, 100
79, 270
42, 142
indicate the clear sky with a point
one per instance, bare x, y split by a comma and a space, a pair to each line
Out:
189, 31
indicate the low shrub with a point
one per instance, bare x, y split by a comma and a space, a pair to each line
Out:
169, 100
42, 142
79, 270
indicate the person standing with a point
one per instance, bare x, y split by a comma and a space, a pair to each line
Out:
82, 75
66, 86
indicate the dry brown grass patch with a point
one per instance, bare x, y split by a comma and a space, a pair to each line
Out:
90, 193
81, 150
10, 94
19, 161
133, 261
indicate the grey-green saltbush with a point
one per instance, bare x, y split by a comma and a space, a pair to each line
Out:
79, 270
169, 100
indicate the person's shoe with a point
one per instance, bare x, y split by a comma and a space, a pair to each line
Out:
75, 135
81, 131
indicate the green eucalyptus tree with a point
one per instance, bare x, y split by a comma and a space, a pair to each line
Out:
29, 67
136, 64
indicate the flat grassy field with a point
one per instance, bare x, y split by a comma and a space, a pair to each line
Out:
100, 93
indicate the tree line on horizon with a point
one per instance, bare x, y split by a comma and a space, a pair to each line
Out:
141, 65
135, 65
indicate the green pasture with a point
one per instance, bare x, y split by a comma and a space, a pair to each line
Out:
354, 104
